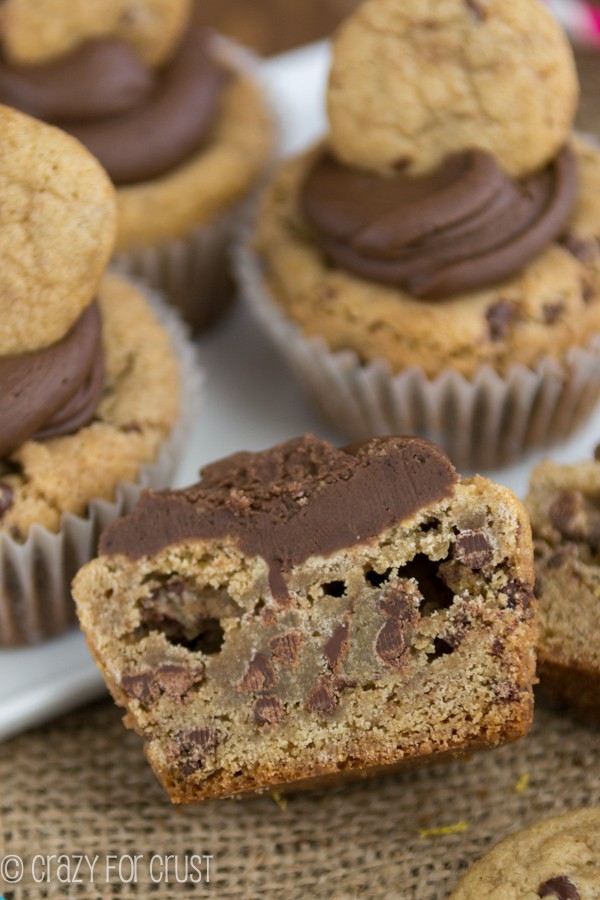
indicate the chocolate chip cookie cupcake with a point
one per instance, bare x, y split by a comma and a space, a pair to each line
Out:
433, 265
172, 114
91, 381
564, 503
279, 624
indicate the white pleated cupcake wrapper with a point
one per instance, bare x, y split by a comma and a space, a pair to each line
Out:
35, 576
194, 271
483, 422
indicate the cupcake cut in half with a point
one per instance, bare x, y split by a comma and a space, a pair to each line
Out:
432, 267
90, 385
307, 613
176, 120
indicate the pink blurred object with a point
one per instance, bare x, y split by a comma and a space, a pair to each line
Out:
580, 18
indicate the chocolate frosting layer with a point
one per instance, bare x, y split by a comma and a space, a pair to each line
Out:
138, 123
55, 390
299, 499
464, 226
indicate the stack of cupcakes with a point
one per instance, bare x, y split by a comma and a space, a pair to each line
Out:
95, 392
172, 114
433, 266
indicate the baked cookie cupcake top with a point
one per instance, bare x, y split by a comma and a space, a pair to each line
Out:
174, 118
80, 407
414, 89
469, 236
58, 221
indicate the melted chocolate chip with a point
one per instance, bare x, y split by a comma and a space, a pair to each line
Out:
499, 318
286, 648
561, 887
390, 645
519, 594
259, 676
473, 548
268, 710
322, 700
337, 646
193, 746
398, 604
173, 679
553, 311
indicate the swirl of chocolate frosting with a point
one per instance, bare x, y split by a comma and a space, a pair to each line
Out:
55, 390
465, 226
138, 123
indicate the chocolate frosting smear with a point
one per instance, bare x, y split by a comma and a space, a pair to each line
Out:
138, 122
465, 226
299, 499
55, 390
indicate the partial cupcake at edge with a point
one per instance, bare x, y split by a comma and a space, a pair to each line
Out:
432, 266
173, 114
92, 384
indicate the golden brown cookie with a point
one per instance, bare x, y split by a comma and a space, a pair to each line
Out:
557, 858
414, 80
58, 221
38, 32
140, 405
554, 304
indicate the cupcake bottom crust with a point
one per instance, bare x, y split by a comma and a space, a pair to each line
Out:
42, 480
208, 184
553, 305
564, 502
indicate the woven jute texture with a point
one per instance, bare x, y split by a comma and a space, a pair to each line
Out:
82, 785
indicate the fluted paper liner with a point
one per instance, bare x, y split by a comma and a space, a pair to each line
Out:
483, 422
194, 271
35, 576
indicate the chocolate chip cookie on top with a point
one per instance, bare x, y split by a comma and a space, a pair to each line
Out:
564, 503
433, 265
556, 858
307, 613
90, 385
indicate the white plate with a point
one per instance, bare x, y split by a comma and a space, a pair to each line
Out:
251, 402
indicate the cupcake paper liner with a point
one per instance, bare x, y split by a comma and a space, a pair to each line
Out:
482, 422
194, 271
35, 576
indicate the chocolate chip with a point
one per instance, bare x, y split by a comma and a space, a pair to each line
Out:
577, 246
397, 604
322, 700
141, 686
6, 498
518, 594
172, 679
497, 647
337, 646
390, 645
499, 317
553, 311
587, 291
477, 10
131, 428
286, 648
193, 746
565, 554
597, 453
566, 512
401, 163
560, 887
259, 676
473, 548
268, 710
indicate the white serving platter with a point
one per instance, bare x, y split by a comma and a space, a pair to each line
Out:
251, 401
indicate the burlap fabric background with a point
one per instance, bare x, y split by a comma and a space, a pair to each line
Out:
81, 785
